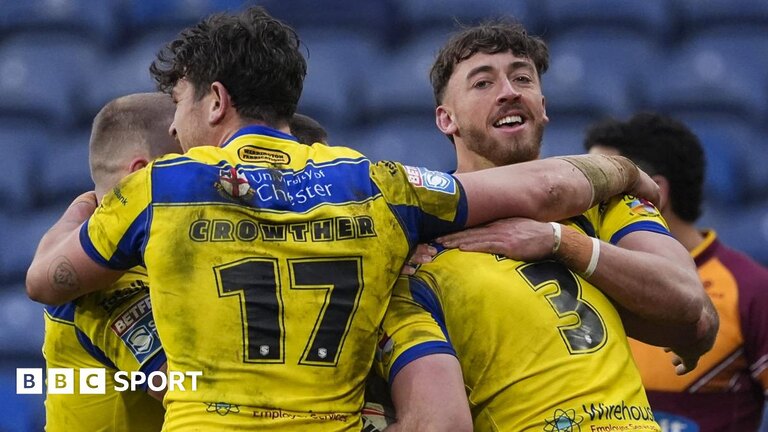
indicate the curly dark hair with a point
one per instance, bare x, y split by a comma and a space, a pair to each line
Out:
661, 146
489, 38
254, 56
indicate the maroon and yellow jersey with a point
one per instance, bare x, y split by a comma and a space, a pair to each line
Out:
726, 391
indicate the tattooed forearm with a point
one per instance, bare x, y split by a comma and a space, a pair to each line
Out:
62, 275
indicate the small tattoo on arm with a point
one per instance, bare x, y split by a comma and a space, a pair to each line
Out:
63, 276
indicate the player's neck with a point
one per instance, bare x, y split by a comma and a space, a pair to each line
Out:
685, 232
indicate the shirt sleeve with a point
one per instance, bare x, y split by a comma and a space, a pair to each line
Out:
120, 325
427, 203
115, 234
754, 323
413, 327
622, 215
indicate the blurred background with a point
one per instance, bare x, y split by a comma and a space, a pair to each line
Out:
703, 61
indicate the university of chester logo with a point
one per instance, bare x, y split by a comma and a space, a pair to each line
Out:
233, 184
564, 421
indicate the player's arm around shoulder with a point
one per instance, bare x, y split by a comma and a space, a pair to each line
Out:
61, 270
414, 355
428, 394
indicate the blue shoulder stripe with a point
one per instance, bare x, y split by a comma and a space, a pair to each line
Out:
424, 296
65, 312
422, 227
337, 182
129, 249
645, 225
416, 352
260, 130
93, 350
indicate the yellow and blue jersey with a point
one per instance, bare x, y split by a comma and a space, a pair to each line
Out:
540, 348
111, 330
271, 265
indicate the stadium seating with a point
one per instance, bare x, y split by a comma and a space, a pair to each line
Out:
564, 136
653, 18
21, 234
399, 83
338, 68
143, 16
591, 73
412, 140
20, 183
95, 21
42, 76
697, 15
428, 16
123, 72
64, 171
701, 79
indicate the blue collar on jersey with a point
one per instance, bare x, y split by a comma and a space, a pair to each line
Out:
260, 130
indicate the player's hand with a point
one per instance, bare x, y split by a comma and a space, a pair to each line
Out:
646, 187
422, 255
683, 362
516, 238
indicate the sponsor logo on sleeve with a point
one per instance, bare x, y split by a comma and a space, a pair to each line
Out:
641, 207
136, 328
431, 180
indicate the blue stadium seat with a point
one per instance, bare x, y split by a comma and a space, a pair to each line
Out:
125, 72
743, 46
400, 82
702, 79
94, 20
414, 141
369, 19
744, 228
20, 413
645, 17
728, 143
21, 234
147, 15
595, 73
419, 16
697, 15
64, 169
564, 136
338, 64
42, 76
21, 323
21, 181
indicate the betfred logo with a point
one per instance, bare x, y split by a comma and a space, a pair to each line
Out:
131, 316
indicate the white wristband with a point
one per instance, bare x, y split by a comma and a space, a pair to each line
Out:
593, 260
558, 231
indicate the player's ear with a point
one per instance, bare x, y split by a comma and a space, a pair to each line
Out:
445, 121
544, 109
220, 103
138, 163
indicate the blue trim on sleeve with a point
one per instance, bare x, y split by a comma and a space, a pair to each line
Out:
416, 352
65, 312
408, 217
260, 130
93, 350
129, 252
646, 225
87, 244
462, 210
424, 296
151, 366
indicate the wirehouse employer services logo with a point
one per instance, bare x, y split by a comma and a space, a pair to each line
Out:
94, 381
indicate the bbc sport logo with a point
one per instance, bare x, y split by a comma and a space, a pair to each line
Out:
94, 381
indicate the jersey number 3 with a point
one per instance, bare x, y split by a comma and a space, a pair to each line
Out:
256, 281
587, 334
